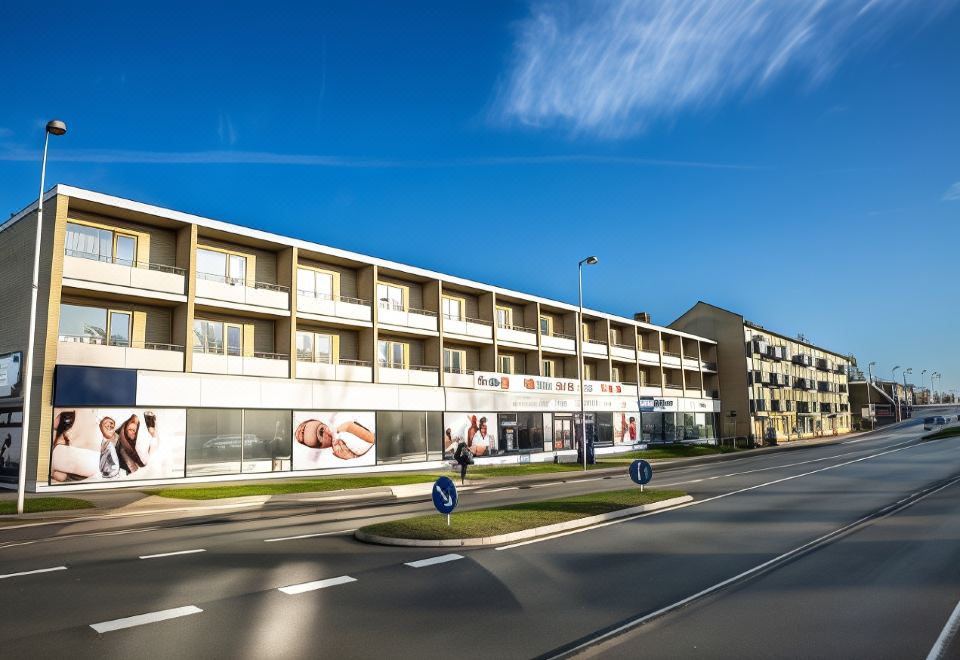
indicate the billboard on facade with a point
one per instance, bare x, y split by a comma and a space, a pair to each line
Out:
333, 439
116, 444
478, 430
10, 364
626, 428
10, 434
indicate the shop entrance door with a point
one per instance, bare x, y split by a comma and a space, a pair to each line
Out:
562, 432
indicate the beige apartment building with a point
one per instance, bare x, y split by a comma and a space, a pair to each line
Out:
773, 387
172, 346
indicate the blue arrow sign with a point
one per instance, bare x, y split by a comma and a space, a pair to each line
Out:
444, 495
641, 472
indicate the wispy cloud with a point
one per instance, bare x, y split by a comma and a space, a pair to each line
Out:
611, 68
953, 193
226, 131
119, 156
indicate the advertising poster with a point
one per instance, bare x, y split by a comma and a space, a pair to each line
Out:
116, 444
333, 439
10, 434
10, 374
626, 428
478, 430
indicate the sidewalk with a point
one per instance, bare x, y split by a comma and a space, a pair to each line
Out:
115, 503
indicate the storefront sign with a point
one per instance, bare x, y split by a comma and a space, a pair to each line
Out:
10, 374
511, 383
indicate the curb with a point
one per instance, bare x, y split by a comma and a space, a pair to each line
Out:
525, 534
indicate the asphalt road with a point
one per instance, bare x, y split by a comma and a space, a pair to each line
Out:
244, 587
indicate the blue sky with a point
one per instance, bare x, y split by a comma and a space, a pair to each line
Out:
791, 160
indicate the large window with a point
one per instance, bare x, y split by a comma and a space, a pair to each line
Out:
100, 244
409, 436
546, 325
218, 337
504, 317
222, 441
393, 354
506, 364
315, 347
316, 283
452, 308
95, 325
391, 296
454, 361
222, 266
522, 432
550, 369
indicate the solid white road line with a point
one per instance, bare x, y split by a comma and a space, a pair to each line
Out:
699, 502
946, 635
142, 619
39, 570
442, 559
294, 589
171, 554
309, 536
497, 490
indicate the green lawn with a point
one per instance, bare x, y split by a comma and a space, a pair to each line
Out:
667, 451
286, 487
948, 432
519, 469
517, 517
41, 504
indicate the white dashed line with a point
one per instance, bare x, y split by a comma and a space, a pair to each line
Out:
172, 554
442, 559
309, 536
294, 589
498, 490
142, 619
39, 570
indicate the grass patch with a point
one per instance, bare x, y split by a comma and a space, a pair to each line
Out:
519, 469
667, 451
286, 487
41, 504
517, 517
949, 432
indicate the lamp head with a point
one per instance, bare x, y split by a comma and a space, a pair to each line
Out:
590, 260
56, 127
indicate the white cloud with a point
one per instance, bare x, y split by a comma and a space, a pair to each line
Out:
611, 68
953, 193
225, 130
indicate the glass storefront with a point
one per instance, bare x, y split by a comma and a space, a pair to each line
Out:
521, 432
404, 437
225, 441
666, 427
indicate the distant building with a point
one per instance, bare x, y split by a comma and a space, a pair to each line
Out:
772, 387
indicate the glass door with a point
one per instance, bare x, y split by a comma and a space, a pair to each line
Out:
126, 250
234, 339
562, 432
119, 329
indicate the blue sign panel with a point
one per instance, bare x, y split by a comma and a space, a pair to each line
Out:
444, 495
641, 472
94, 386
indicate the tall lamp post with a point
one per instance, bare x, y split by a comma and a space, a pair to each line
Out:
921, 382
590, 261
873, 422
54, 127
933, 391
893, 390
908, 370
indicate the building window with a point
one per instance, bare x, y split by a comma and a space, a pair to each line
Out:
504, 317
616, 375
409, 436
546, 325
221, 266
392, 296
100, 244
316, 283
506, 364
217, 337
315, 347
452, 308
454, 361
221, 441
95, 325
548, 368
393, 354
589, 371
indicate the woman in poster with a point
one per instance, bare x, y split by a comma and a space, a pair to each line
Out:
68, 463
133, 452
482, 440
346, 440
109, 461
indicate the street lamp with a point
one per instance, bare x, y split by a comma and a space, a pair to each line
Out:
873, 419
590, 261
933, 391
893, 390
909, 370
54, 127
921, 382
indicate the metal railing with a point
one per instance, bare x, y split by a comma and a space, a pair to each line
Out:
626, 346
108, 341
265, 355
467, 319
326, 296
161, 268
408, 367
386, 304
673, 386
517, 328
598, 342
350, 362
240, 281
454, 370
560, 335
670, 354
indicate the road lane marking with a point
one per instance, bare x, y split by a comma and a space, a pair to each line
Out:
552, 483
309, 536
699, 502
442, 559
172, 554
497, 490
946, 635
885, 512
143, 619
39, 570
294, 589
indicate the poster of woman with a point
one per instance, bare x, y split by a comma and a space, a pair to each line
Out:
323, 440
110, 444
477, 430
626, 428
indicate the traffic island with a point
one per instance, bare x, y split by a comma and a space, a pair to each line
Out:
518, 522
44, 505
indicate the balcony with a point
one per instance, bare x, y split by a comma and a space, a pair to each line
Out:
559, 342
709, 366
648, 357
235, 290
691, 363
673, 386
693, 391
409, 375
341, 307
467, 327
595, 348
274, 365
357, 371
824, 365
515, 334
623, 352
120, 272
649, 389
671, 359
97, 352
802, 359
414, 319
457, 377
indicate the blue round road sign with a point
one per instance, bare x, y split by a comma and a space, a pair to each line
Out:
641, 472
444, 495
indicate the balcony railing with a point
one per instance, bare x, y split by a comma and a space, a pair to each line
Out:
560, 335
162, 268
112, 341
671, 354
327, 296
712, 366
626, 346
386, 304
239, 281
467, 319
408, 367
673, 386
455, 370
517, 328
264, 355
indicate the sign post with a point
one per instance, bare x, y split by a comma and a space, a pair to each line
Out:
444, 496
641, 473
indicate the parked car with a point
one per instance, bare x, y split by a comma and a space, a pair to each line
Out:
930, 423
